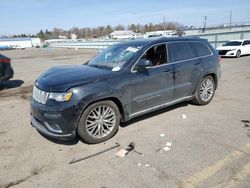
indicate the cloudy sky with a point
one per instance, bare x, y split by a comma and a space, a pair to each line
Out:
29, 16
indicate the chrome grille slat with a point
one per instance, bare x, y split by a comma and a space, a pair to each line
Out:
40, 96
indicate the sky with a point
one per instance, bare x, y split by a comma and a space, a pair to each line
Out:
30, 16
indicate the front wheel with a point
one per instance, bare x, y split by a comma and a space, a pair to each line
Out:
205, 91
99, 122
238, 53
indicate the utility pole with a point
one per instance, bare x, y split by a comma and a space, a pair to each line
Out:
230, 20
205, 24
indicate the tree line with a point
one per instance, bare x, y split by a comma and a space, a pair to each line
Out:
102, 31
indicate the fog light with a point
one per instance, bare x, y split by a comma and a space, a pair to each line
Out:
53, 127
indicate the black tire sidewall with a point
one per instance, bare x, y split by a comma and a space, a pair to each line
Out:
81, 129
197, 94
238, 53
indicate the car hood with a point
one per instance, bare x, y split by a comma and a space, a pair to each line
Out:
60, 79
227, 47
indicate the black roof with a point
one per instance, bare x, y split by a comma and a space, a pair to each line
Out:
153, 40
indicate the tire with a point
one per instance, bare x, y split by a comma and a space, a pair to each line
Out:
205, 91
99, 122
238, 53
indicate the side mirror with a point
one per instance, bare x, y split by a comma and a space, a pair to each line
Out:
143, 64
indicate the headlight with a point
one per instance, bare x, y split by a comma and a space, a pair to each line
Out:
60, 97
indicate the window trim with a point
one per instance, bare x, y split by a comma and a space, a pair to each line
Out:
132, 68
174, 62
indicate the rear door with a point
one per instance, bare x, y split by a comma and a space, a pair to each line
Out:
187, 68
152, 87
246, 46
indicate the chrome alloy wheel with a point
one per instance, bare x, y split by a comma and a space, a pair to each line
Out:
100, 121
206, 90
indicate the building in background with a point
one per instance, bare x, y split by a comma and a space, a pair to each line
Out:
125, 35
20, 42
164, 33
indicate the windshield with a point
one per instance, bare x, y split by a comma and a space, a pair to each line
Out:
115, 57
233, 43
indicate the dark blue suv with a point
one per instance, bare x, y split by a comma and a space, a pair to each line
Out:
124, 81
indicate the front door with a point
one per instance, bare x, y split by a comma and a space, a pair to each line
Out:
154, 86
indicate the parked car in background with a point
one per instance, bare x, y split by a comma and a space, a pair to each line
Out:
234, 48
6, 71
122, 82
18, 47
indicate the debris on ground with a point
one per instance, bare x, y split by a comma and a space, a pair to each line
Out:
169, 144
166, 148
139, 164
147, 165
245, 121
183, 116
246, 125
162, 135
123, 152
93, 155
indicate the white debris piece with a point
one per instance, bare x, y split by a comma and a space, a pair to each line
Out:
147, 165
162, 135
139, 164
166, 148
169, 144
121, 153
183, 116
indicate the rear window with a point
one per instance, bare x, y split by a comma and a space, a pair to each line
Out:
180, 51
200, 48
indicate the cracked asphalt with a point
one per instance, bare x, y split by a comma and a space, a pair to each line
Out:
210, 148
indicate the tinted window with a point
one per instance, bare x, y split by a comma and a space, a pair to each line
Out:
247, 42
156, 54
232, 43
200, 48
181, 51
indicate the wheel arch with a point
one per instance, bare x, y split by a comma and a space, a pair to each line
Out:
113, 99
214, 77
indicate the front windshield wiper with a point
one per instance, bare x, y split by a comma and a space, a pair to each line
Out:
100, 66
95, 65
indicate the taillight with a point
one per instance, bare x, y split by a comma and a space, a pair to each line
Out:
5, 60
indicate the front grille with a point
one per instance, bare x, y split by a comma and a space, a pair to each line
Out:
223, 52
39, 95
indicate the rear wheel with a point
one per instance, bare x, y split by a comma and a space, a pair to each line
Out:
205, 91
238, 53
99, 122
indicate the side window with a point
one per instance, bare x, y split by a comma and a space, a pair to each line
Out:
156, 54
181, 51
245, 43
200, 48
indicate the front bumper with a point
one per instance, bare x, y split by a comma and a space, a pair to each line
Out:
56, 121
227, 53
43, 129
